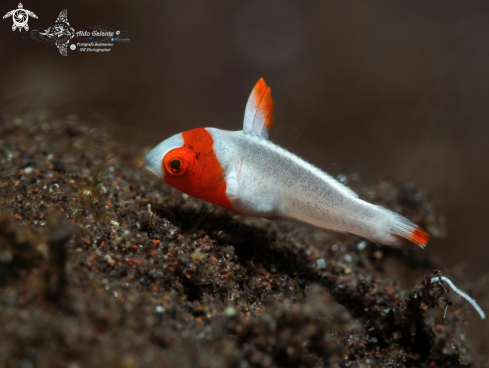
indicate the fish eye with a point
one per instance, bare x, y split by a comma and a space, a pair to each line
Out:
175, 164
178, 161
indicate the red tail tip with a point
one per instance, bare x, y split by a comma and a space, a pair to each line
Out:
419, 237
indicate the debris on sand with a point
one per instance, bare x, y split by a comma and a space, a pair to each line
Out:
101, 264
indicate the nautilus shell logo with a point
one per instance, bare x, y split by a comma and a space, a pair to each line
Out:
60, 32
20, 17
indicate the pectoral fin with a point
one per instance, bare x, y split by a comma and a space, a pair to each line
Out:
63, 17
9, 14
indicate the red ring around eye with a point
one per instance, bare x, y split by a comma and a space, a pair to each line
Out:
178, 161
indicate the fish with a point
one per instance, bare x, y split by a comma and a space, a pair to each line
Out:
244, 172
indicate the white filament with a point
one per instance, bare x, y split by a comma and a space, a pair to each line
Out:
462, 294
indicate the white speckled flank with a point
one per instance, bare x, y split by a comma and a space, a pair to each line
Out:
252, 176
265, 180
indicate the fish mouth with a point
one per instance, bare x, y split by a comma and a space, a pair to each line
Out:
154, 158
148, 165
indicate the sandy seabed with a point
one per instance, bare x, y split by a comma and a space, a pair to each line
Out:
103, 265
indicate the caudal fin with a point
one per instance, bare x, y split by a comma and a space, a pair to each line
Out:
405, 233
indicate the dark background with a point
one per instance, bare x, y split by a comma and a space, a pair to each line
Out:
386, 87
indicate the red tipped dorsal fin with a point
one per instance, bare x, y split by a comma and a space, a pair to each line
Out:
259, 119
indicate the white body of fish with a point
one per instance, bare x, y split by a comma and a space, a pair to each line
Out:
265, 180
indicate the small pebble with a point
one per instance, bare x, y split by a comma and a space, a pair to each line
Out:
230, 311
362, 245
159, 309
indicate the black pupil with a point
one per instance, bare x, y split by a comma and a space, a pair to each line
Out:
175, 164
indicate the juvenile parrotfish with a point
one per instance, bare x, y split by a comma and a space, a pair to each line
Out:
245, 172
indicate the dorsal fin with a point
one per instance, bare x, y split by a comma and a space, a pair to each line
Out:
259, 119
